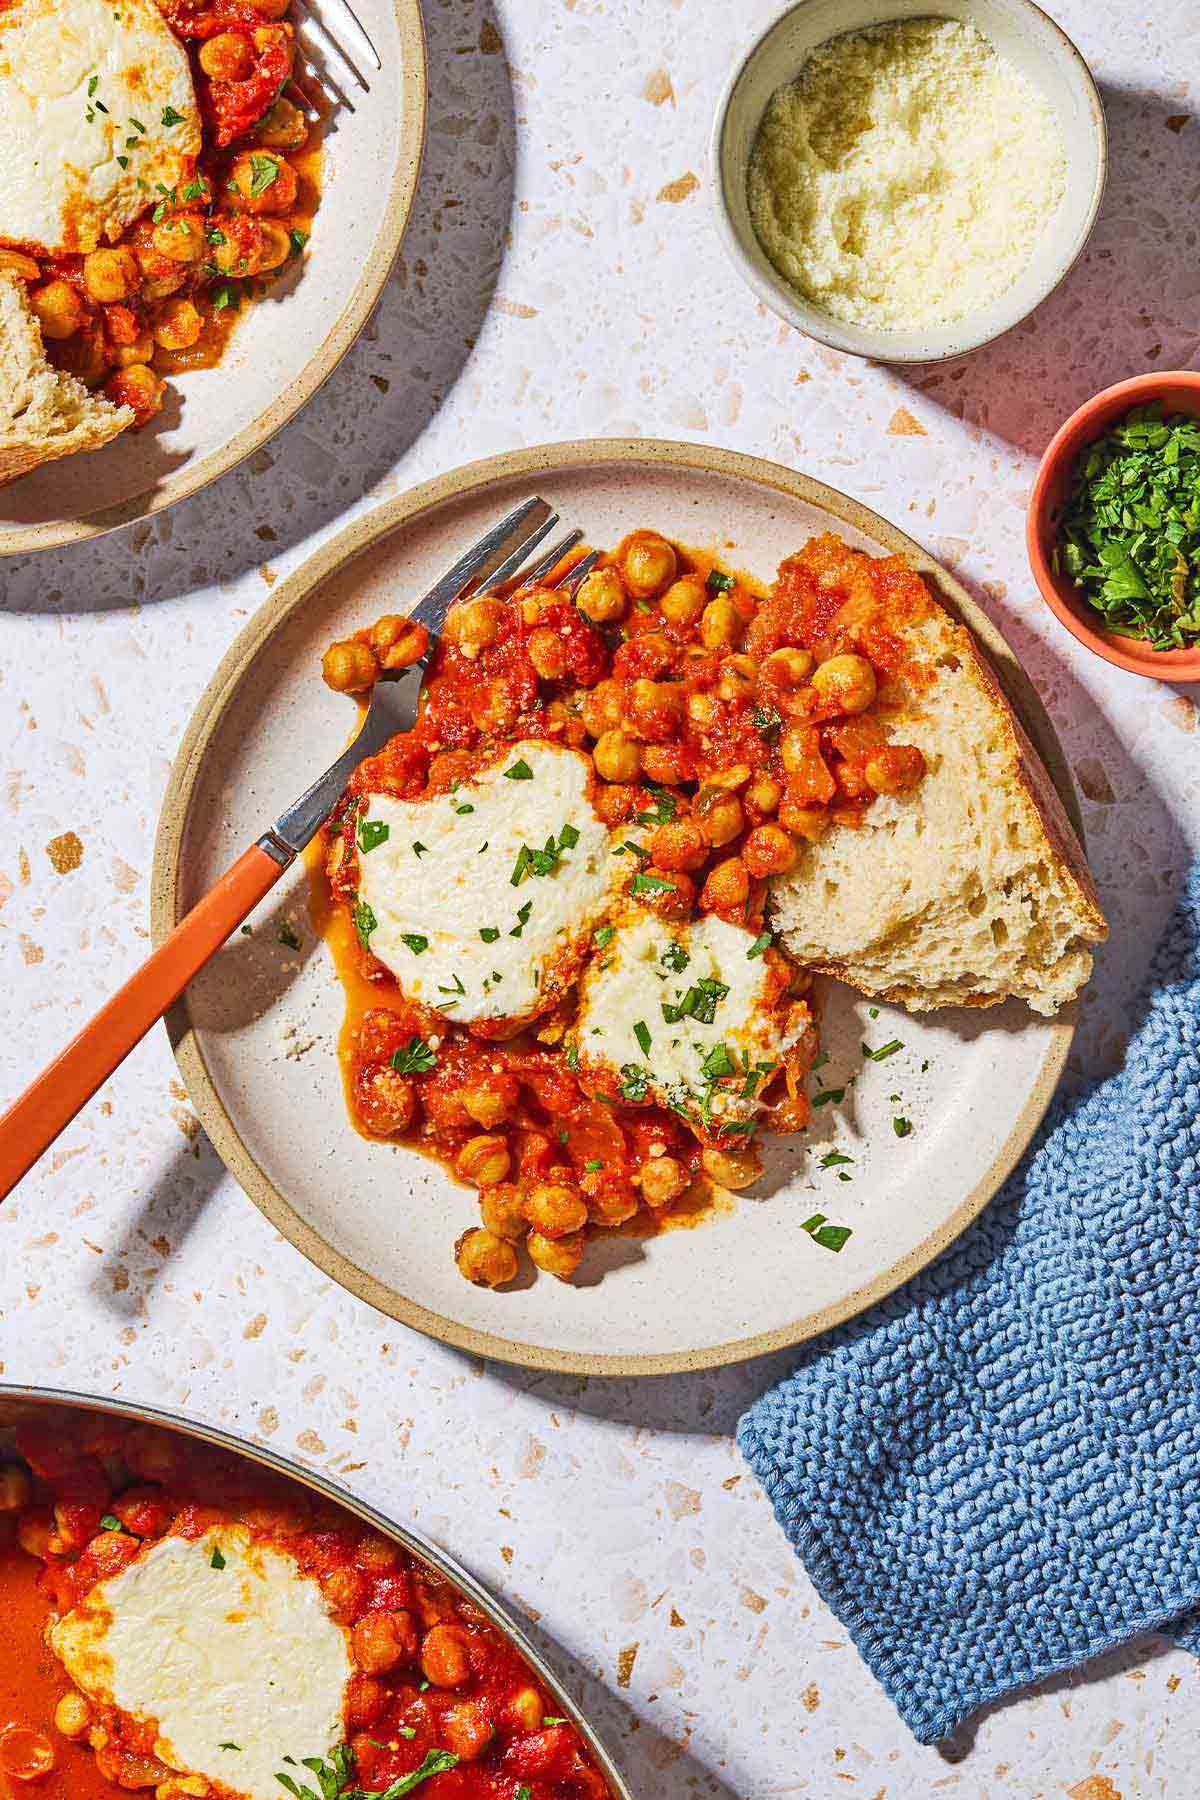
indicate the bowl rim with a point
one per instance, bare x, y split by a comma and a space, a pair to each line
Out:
357, 536
1062, 597
342, 334
407, 1536
860, 341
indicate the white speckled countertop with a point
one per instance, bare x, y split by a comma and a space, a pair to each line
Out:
561, 278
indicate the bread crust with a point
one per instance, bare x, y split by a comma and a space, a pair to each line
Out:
45, 413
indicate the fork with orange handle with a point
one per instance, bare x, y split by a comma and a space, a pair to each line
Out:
49, 1103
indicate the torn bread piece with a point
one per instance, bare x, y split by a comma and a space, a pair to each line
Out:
44, 412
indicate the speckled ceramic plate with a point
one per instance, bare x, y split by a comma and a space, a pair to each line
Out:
256, 1034
287, 344
18, 1402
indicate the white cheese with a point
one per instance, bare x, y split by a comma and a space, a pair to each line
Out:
905, 176
243, 1654
83, 84
636, 978
433, 904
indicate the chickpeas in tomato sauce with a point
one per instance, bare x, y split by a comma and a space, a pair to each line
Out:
163, 299
729, 727
432, 1686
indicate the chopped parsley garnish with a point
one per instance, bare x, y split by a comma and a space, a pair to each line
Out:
365, 922
651, 884
718, 1062
93, 84
1130, 533
545, 860
420, 849
124, 161
463, 807
829, 1097
489, 933
287, 936
699, 1003
902, 1127
298, 239
216, 1560
264, 171
213, 236
336, 1776
572, 1056
568, 837
760, 944
523, 1793
738, 1128
171, 117
520, 771
767, 722
406, 1731
456, 986
416, 943
414, 1058
223, 294
830, 1237
884, 1050
604, 936
228, 1745
110, 1522
635, 1083
372, 833
522, 919
832, 1158
594, 1163
193, 191
719, 583
641, 1032
662, 814
137, 125
553, 1719
675, 957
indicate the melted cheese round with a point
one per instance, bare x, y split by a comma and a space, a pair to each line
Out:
242, 1654
449, 922
649, 965
83, 85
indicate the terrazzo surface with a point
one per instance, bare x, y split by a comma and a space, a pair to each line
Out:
562, 278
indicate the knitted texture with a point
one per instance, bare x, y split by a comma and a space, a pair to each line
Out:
995, 1473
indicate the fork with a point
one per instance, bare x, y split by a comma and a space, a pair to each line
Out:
497, 562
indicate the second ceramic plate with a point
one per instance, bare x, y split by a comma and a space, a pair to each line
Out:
256, 1034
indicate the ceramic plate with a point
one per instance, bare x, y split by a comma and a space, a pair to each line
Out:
256, 1034
16, 1403
287, 344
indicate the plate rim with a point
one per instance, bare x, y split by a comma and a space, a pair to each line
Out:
407, 510
53, 534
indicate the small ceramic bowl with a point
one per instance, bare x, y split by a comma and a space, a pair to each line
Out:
1179, 390
1021, 32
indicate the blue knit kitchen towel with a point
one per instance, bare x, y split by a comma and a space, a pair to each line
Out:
995, 1474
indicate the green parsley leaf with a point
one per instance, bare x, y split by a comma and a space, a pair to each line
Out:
420, 849
884, 1050
110, 1522
636, 1082
489, 933
414, 1058
223, 294
124, 161
137, 124
719, 583
216, 1560
760, 944
372, 833
651, 884
594, 1163
675, 957
718, 1062
522, 919
520, 771
642, 1033
365, 922
604, 936
416, 943
902, 1127
287, 936
229, 1746
463, 807
298, 239
264, 172
832, 1158
553, 1719
830, 1237
171, 117
829, 1097
767, 722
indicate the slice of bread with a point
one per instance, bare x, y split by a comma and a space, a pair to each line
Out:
969, 889
44, 412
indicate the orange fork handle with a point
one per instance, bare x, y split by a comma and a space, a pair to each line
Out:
48, 1104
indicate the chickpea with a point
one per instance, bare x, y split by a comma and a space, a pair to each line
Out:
474, 624
734, 1169
349, 667
260, 181
732, 775
655, 708
485, 1260
284, 128
140, 351
384, 1100
484, 1160
648, 563
500, 1208
138, 387
487, 1103
16, 1489
72, 1715
737, 678
382, 1639
768, 850
525, 1710
466, 1730
345, 1589
547, 653
229, 56
762, 796
601, 596
556, 1256
365, 1700
269, 9
672, 900
663, 1179
895, 769
788, 668
617, 757
180, 237
554, 1209
14, 262
177, 325
111, 274
720, 624
702, 710
398, 642
601, 708
847, 682
727, 887
681, 844
445, 1661
720, 815
157, 287
798, 744
182, 1787
668, 763
807, 822
58, 309
684, 601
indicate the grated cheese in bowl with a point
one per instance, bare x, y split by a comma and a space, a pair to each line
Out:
905, 176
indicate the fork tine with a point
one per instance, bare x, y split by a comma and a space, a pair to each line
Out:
511, 564
347, 11
572, 579
478, 560
551, 559
312, 28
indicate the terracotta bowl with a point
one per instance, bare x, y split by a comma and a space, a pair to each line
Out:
1179, 390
